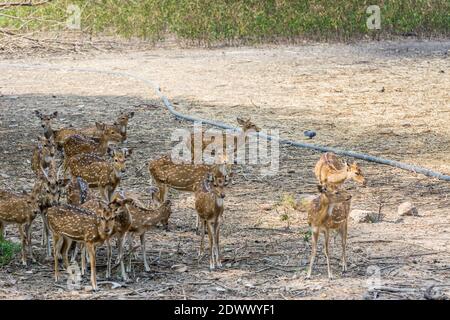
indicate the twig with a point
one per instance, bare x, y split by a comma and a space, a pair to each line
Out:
24, 4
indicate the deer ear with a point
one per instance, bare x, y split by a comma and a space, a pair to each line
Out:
128, 152
55, 114
240, 121
131, 114
38, 114
321, 188
100, 126
110, 152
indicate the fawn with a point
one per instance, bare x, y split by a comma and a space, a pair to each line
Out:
20, 210
46, 123
246, 126
143, 219
122, 222
329, 210
43, 155
48, 189
98, 172
77, 144
71, 223
209, 204
332, 172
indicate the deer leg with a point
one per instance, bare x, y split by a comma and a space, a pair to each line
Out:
91, 250
315, 237
2, 231
46, 234
55, 255
217, 248
65, 251
130, 248
144, 254
211, 245
202, 237
344, 244
75, 252
108, 259
23, 240
30, 247
83, 259
122, 265
327, 254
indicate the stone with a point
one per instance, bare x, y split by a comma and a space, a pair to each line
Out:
365, 216
407, 209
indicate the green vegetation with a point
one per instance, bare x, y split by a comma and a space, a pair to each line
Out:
285, 207
7, 251
242, 21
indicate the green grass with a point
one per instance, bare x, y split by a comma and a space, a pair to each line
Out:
210, 21
7, 251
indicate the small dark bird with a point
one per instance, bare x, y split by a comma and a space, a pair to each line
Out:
310, 134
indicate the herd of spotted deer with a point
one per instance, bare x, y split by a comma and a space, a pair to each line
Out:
91, 158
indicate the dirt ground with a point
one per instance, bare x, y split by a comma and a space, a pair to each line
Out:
389, 99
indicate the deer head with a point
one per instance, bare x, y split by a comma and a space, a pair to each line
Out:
247, 125
354, 172
119, 158
46, 122
122, 123
334, 196
107, 133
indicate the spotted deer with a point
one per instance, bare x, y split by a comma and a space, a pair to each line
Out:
98, 172
329, 211
119, 126
142, 220
77, 144
183, 176
246, 126
209, 203
48, 189
19, 209
72, 223
122, 222
46, 122
332, 172
43, 155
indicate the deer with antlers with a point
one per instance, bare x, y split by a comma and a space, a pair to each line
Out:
332, 172
329, 211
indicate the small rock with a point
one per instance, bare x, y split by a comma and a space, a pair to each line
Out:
4, 175
228, 265
179, 268
407, 209
88, 289
365, 216
266, 207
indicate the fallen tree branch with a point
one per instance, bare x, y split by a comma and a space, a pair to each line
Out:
25, 4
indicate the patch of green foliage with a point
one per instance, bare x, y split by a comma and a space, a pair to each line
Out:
7, 251
248, 21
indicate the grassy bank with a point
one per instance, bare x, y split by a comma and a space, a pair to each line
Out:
211, 21
7, 251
